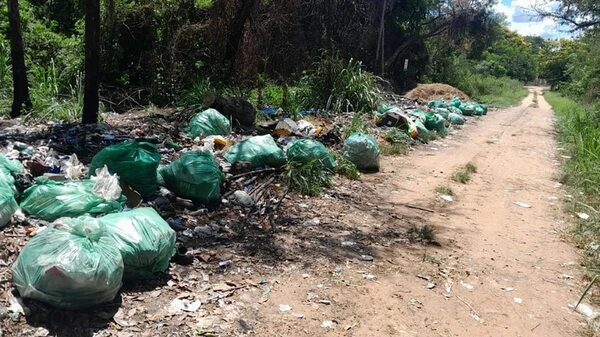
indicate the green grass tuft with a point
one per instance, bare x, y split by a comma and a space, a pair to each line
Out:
309, 178
461, 176
471, 168
446, 190
345, 167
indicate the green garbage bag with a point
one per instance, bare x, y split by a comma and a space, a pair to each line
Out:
305, 150
209, 122
134, 162
434, 122
195, 176
8, 169
50, 200
454, 110
468, 109
72, 264
8, 204
145, 240
485, 108
259, 151
478, 110
362, 150
456, 119
423, 133
442, 112
419, 114
437, 104
455, 102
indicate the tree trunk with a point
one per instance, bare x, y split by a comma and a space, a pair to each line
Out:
19, 71
237, 27
92, 61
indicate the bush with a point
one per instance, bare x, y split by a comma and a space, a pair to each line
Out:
498, 91
339, 86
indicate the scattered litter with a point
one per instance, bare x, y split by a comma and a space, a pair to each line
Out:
366, 258
508, 289
518, 300
17, 306
305, 276
348, 243
296, 315
586, 310
522, 204
328, 324
179, 305
224, 264
430, 285
566, 277
284, 308
583, 216
446, 198
424, 277
370, 277
326, 302
466, 285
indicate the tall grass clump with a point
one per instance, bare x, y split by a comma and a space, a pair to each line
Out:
579, 135
309, 178
497, 91
337, 85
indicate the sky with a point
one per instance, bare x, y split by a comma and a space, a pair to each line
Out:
523, 20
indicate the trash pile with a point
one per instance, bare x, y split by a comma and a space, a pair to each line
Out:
121, 218
96, 226
418, 121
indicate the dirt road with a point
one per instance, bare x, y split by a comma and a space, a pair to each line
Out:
499, 270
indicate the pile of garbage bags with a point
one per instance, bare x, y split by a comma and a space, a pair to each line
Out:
437, 116
80, 262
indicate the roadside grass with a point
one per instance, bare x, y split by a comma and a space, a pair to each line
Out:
444, 190
495, 91
579, 135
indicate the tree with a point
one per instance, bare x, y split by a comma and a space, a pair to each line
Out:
92, 61
579, 14
19, 71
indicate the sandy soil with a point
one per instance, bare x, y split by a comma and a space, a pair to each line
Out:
499, 269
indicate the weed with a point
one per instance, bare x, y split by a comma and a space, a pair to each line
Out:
444, 190
433, 135
471, 168
345, 167
309, 178
424, 234
461, 176
396, 136
394, 149
339, 86
356, 125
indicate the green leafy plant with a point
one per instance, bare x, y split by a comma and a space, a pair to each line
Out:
471, 168
340, 86
445, 190
424, 234
345, 167
308, 178
461, 176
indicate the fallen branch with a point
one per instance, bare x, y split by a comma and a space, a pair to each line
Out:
418, 207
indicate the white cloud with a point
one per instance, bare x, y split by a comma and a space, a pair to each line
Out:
522, 18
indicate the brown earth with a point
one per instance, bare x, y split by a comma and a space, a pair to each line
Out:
488, 254
427, 92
